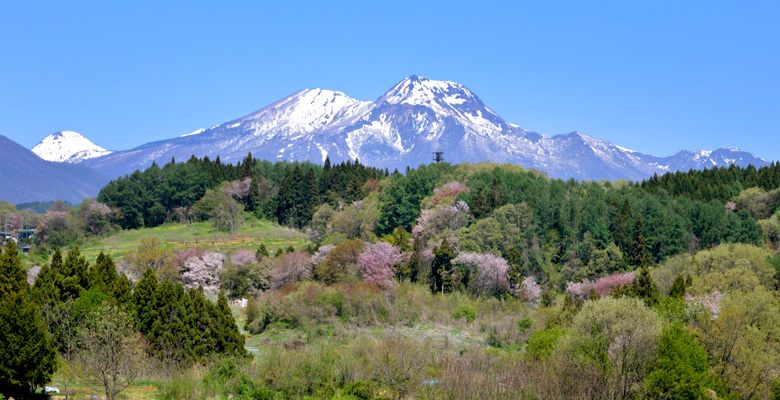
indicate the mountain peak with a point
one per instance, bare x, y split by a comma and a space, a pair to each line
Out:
419, 90
67, 146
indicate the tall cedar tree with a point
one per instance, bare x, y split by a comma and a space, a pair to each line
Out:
312, 196
638, 256
27, 354
253, 197
441, 264
621, 225
246, 166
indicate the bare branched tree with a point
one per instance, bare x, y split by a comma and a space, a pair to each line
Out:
112, 349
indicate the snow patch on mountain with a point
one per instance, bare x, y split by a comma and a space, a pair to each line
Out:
199, 131
416, 117
68, 146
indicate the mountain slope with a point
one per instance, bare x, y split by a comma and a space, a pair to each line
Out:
25, 177
67, 146
403, 127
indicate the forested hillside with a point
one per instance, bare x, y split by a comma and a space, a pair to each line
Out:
445, 281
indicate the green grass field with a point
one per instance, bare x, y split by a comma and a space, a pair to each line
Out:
201, 234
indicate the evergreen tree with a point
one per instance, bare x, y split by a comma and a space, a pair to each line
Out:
168, 332
638, 256
122, 291
253, 197
72, 277
312, 196
621, 224
103, 275
441, 265
479, 204
27, 354
142, 300
12, 277
261, 252
643, 287
678, 288
246, 166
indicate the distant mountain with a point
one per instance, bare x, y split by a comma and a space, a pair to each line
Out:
404, 127
68, 146
25, 177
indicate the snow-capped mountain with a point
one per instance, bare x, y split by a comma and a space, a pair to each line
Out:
68, 146
25, 177
403, 127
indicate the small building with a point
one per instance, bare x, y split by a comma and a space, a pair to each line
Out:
26, 233
239, 302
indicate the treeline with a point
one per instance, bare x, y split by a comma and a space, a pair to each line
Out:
719, 183
282, 191
559, 230
552, 229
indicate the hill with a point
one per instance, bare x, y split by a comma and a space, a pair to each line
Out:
25, 177
177, 237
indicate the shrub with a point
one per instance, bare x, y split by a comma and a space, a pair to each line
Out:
525, 324
541, 344
466, 312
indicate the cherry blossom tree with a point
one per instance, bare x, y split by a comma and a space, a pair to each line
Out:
291, 268
451, 189
601, 287
243, 257
322, 254
96, 218
695, 305
489, 272
32, 274
203, 271
579, 289
433, 222
238, 189
529, 290
376, 264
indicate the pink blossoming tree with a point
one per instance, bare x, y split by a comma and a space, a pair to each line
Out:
489, 276
376, 264
203, 271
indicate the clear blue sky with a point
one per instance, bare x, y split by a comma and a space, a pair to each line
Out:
653, 76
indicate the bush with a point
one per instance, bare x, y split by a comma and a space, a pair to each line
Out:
525, 324
360, 390
465, 311
541, 344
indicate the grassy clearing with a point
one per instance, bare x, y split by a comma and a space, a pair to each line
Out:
140, 390
201, 234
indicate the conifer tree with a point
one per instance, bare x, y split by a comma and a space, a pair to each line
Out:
142, 300
169, 333
312, 196
122, 291
677, 290
643, 287
441, 264
621, 224
72, 277
246, 166
27, 354
261, 252
253, 197
638, 256
103, 275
